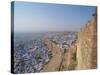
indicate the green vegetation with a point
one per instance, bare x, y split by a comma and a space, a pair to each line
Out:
50, 54
72, 65
73, 62
65, 50
74, 56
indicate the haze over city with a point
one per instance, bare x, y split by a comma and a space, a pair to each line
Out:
38, 17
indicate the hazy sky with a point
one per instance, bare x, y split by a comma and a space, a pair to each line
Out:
37, 17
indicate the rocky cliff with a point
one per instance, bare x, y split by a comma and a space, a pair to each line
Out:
87, 45
55, 61
82, 54
69, 58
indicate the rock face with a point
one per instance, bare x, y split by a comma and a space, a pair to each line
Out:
55, 61
82, 54
69, 58
87, 45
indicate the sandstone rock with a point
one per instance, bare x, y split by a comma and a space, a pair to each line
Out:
82, 54
86, 46
55, 61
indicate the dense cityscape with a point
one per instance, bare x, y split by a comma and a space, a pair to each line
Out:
31, 53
